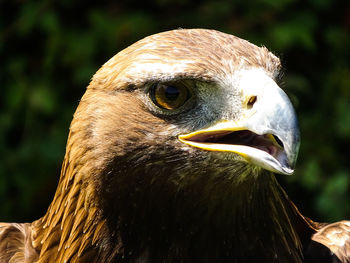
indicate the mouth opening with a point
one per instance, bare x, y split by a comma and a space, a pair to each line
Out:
265, 150
268, 143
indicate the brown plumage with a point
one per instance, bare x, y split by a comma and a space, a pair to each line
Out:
131, 191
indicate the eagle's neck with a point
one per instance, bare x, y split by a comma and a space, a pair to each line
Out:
72, 229
212, 220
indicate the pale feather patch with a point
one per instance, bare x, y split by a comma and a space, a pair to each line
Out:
154, 69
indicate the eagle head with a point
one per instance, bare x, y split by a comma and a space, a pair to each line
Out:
182, 102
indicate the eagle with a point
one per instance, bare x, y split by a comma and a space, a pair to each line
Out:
172, 156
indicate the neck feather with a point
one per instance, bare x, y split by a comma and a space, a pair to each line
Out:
211, 219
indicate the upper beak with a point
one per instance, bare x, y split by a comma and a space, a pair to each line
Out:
267, 134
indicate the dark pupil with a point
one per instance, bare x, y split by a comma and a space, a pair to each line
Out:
171, 93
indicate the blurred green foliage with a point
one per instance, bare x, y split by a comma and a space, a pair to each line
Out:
50, 49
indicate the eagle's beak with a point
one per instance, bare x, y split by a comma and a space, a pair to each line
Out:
267, 134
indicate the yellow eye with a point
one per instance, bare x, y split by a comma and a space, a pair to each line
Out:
169, 96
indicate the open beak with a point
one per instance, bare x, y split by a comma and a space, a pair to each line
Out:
267, 136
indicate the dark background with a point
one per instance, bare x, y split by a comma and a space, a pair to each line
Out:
49, 50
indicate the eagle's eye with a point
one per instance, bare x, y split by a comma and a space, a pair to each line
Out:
169, 96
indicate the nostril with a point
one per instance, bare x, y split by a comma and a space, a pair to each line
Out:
251, 101
280, 143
